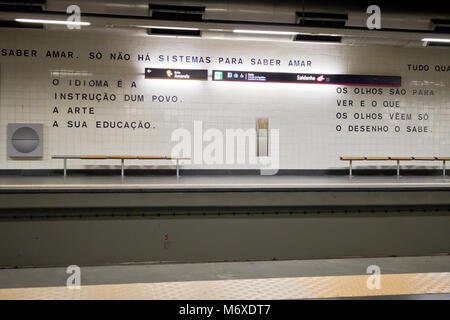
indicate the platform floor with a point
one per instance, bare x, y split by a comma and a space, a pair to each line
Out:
401, 278
80, 182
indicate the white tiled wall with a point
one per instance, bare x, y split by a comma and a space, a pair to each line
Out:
305, 114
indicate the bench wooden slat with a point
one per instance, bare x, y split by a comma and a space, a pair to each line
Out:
424, 158
377, 158
152, 157
401, 158
93, 157
443, 158
353, 158
121, 157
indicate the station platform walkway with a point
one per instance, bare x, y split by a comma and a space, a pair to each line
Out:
219, 182
420, 278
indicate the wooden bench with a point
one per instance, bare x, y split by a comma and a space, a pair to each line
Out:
397, 159
122, 159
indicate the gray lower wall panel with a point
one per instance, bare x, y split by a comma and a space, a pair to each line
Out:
235, 198
219, 238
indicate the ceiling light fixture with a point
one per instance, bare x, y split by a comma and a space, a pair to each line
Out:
282, 33
435, 40
168, 28
219, 30
69, 23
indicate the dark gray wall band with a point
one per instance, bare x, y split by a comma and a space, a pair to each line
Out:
259, 237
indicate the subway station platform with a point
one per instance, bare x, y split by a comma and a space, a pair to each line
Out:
417, 278
216, 182
226, 191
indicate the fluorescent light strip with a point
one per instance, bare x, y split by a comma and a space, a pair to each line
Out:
72, 23
169, 28
435, 40
173, 36
328, 35
219, 30
285, 33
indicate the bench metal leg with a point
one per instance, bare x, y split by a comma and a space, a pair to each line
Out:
443, 168
178, 169
398, 168
122, 171
65, 168
350, 168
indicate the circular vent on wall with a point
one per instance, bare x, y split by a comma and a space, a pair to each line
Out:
25, 140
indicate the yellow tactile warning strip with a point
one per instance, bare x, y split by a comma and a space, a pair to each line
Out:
251, 289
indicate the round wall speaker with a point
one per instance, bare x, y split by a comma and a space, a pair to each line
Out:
25, 140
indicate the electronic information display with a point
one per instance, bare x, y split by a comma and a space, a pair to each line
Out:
176, 74
318, 78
